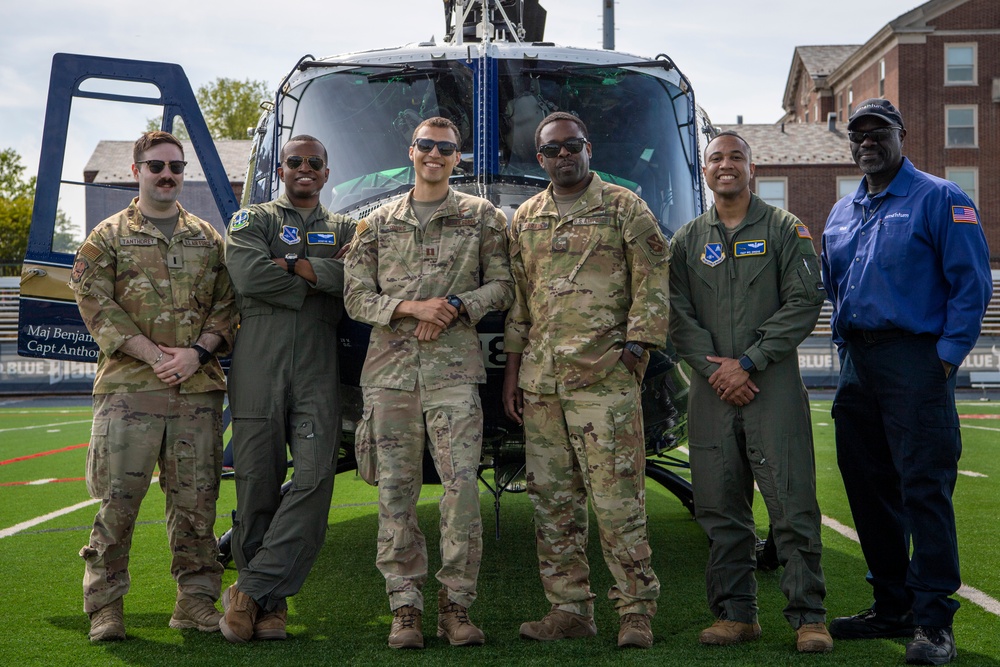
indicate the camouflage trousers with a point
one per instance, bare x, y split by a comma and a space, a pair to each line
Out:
580, 443
450, 421
132, 433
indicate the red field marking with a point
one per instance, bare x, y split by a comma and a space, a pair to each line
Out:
49, 481
40, 454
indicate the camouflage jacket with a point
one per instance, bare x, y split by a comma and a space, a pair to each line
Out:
261, 232
129, 279
463, 252
760, 296
586, 284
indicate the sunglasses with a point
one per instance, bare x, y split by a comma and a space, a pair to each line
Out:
574, 146
877, 135
295, 161
156, 166
445, 148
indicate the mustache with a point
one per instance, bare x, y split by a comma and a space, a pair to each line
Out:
166, 181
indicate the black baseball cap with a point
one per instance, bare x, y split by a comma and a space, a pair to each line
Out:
879, 108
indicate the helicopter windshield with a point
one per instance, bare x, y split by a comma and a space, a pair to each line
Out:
640, 127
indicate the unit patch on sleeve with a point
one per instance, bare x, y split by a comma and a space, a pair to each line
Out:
964, 214
714, 254
321, 238
239, 220
750, 248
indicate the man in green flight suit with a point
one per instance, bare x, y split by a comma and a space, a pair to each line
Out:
284, 260
745, 290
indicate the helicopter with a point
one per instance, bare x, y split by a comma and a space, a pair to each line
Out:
496, 78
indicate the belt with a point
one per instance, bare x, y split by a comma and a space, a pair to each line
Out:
878, 335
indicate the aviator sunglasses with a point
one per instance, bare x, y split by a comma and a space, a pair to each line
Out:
156, 166
445, 148
574, 146
295, 161
878, 135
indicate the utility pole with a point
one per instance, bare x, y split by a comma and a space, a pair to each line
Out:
609, 25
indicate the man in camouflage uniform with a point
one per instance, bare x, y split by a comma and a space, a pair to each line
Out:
284, 260
422, 271
590, 268
155, 296
745, 290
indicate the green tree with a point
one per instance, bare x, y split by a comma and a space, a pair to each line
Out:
229, 106
17, 199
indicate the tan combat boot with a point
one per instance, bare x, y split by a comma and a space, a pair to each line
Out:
271, 625
813, 638
559, 624
407, 629
635, 631
241, 614
727, 633
454, 623
195, 613
107, 624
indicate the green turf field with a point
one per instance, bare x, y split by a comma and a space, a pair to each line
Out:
341, 616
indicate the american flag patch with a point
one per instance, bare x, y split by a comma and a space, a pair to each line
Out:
964, 214
803, 232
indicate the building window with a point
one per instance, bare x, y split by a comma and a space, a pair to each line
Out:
773, 191
881, 78
850, 101
959, 64
847, 185
840, 107
966, 178
960, 130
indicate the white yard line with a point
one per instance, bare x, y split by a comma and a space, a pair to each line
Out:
28, 428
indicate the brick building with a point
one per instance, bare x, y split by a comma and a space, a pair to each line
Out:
939, 63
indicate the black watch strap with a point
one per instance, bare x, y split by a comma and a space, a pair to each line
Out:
454, 302
635, 349
204, 356
746, 363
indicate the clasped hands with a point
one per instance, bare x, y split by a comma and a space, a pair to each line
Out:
732, 384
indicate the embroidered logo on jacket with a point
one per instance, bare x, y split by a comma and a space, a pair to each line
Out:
749, 248
290, 235
714, 254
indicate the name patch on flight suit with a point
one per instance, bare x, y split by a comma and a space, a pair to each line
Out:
321, 238
290, 235
713, 255
239, 220
749, 248
136, 240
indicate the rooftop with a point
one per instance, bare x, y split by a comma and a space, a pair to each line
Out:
111, 161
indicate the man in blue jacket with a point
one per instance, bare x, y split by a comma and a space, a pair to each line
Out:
906, 265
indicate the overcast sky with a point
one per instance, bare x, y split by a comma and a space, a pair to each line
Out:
736, 53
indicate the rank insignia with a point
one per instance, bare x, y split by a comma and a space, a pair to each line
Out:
750, 248
290, 234
714, 254
321, 238
560, 244
240, 220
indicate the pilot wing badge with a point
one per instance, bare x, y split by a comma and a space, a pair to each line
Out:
714, 254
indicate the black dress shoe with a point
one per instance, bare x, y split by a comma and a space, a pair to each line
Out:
931, 646
869, 624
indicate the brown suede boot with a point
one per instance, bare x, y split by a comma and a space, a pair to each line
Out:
241, 614
559, 624
813, 638
727, 633
635, 631
407, 629
107, 624
195, 614
454, 623
271, 625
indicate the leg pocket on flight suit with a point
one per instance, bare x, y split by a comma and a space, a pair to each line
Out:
185, 475
98, 470
707, 474
305, 456
770, 472
365, 451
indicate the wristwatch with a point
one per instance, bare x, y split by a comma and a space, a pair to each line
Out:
455, 302
204, 356
746, 363
636, 349
290, 261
